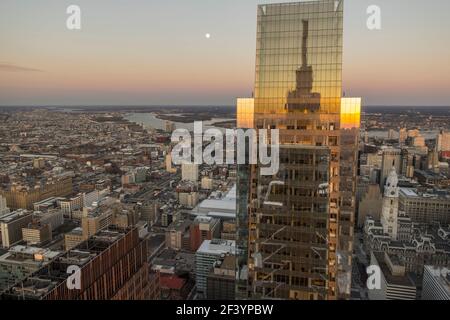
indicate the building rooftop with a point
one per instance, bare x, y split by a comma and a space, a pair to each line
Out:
55, 273
217, 247
10, 217
391, 279
21, 254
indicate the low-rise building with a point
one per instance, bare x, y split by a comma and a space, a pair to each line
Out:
21, 261
37, 233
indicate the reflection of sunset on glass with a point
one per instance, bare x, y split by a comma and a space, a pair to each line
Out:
198, 152
350, 113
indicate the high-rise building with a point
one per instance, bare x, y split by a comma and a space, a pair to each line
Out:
112, 266
11, 226
220, 281
436, 283
203, 228
209, 252
176, 233
295, 229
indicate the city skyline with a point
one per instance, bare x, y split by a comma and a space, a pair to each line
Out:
159, 53
131, 196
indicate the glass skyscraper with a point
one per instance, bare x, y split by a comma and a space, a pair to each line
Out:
295, 237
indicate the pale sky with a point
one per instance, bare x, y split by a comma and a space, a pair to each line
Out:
155, 52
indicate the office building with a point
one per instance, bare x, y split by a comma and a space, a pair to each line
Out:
203, 228
37, 233
113, 266
295, 229
188, 199
209, 252
175, 234
53, 217
71, 204
23, 197
150, 212
396, 283
221, 279
89, 198
425, 207
11, 226
73, 238
96, 220
48, 204
436, 283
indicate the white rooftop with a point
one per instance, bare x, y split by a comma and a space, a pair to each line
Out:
408, 192
217, 247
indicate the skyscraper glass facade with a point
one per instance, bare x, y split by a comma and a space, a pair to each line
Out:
299, 222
